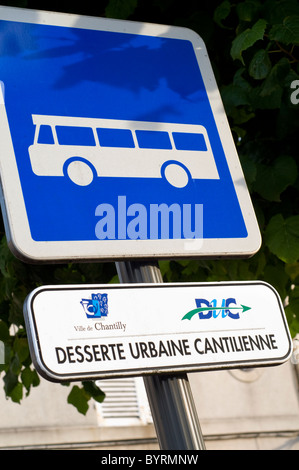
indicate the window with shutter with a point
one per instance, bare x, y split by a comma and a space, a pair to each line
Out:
125, 404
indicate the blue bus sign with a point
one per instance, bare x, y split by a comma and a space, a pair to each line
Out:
115, 144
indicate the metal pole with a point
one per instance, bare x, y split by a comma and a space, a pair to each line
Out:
169, 395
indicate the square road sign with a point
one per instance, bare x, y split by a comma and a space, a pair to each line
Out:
115, 144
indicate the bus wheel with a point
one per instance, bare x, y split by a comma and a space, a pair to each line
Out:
176, 173
79, 171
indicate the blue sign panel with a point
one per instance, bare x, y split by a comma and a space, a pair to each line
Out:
115, 139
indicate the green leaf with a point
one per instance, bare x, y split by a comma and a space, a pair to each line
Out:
293, 320
292, 310
236, 93
278, 10
29, 378
222, 12
269, 94
4, 331
292, 270
21, 348
272, 180
247, 10
294, 294
287, 32
120, 9
275, 276
15, 365
247, 39
276, 77
249, 169
10, 382
282, 237
232, 97
241, 115
79, 398
94, 391
260, 65
16, 394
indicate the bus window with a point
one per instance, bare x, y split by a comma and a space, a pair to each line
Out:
115, 138
188, 141
45, 135
153, 140
68, 135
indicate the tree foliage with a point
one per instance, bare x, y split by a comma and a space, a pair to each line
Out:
253, 47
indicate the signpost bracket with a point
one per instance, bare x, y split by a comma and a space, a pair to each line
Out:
170, 396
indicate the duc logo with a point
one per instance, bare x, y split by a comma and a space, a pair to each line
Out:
206, 309
96, 307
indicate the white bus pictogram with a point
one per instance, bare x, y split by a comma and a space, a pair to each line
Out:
86, 148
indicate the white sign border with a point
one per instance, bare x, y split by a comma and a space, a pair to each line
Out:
12, 202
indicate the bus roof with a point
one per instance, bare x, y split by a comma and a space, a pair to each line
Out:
39, 119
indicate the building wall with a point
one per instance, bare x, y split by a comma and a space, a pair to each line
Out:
237, 409
46, 420
253, 409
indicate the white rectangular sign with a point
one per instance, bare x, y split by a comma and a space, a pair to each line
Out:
101, 331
